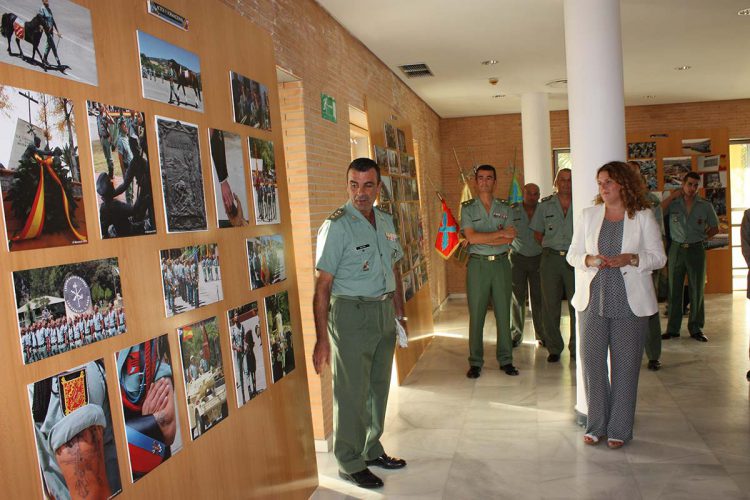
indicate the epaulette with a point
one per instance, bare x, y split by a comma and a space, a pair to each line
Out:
337, 214
468, 202
547, 197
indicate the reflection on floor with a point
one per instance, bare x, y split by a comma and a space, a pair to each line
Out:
515, 437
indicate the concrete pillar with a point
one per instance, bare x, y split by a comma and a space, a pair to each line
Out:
537, 144
596, 104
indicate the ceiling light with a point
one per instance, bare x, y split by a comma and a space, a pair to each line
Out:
682, 68
498, 96
489, 62
744, 12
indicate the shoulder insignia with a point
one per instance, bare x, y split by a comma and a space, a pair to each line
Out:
337, 214
546, 198
468, 202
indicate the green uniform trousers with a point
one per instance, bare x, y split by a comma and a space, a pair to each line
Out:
690, 261
557, 277
486, 278
653, 339
363, 338
526, 281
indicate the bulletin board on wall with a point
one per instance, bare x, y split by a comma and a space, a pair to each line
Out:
149, 295
666, 156
393, 150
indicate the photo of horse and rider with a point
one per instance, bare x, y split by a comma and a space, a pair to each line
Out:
170, 74
50, 36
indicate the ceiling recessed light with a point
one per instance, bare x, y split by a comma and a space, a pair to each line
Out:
489, 62
744, 12
682, 68
498, 96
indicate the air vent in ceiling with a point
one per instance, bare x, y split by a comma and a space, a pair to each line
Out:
417, 70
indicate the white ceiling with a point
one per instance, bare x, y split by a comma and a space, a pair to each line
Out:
527, 38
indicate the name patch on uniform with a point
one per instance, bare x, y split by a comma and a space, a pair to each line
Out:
73, 391
550, 215
498, 214
362, 247
391, 236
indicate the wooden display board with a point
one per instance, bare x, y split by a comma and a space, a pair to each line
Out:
262, 449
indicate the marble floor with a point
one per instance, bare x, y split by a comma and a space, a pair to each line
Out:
516, 437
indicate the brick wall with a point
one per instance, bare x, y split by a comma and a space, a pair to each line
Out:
492, 139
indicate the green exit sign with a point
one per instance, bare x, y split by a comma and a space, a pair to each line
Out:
328, 107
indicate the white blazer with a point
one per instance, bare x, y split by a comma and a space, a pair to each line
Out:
640, 236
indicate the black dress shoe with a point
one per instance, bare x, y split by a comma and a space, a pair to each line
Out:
699, 337
667, 336
474, 372
517, 341
553, 358
363, 479
387, 462
748, 376
509, 369
654, 365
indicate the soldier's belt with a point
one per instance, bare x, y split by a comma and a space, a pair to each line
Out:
690, 245
552, 251
379, 298
488, 257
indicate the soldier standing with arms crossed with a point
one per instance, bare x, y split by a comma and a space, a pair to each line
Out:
553, 224
358, 298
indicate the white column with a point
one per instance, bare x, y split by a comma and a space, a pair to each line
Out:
593, 50
537, 144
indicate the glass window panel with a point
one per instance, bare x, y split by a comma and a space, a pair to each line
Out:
739, 284
737, 259
736, 236
737, 216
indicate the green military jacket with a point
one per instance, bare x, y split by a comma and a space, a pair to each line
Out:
550, 221
690, 228
524, 243
474, 215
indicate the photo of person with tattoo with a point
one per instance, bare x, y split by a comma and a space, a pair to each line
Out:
74, 436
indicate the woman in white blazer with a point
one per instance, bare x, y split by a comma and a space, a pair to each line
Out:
616, 244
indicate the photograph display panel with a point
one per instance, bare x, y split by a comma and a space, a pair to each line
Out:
181, 177
265, 259
247, 352
170, 74
263, 177
641, 150
59, 43
250, 102
40, 171
145, 372
279, 332
191, 277
122, 171
75, 440
230, 190
62, 308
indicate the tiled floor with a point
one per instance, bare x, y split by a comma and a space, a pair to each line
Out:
515, 437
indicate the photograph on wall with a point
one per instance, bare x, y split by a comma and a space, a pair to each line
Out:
263, 177
391, 142
709, 163
381, 158
641, 150
393, 167
404, 163
250, 102
62, 308
59, 43
279, 332
191, 277
715, 180
401, 138
247, 352
386, 189
119, 151
648, 172
75, 441
408, 284
181, 176
145, 372
230, 190
699, 146
265, 260
203, 373
718, 199
674, 170
412, 166
40, 171
169, 74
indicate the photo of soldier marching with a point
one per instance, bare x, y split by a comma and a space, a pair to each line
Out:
247, 348
263, 175
191, 277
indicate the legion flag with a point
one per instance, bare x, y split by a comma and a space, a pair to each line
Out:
448, 239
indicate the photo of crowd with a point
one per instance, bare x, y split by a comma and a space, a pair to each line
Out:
191, 277
250, 102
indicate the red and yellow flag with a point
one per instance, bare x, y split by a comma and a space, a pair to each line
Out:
448, 236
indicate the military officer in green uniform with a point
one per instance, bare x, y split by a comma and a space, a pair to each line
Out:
525, 257
553, 225
692, 220
358, 299
487, 225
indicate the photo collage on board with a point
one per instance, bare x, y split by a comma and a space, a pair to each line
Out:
68, 305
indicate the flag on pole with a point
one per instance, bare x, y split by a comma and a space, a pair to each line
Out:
448, 239
514, 194
465, 194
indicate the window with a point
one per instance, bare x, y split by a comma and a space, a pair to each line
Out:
739, 166
359, 136
561, 159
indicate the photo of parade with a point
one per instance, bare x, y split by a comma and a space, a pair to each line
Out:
247, 352
230, 190
39, 171
191, 277
59, 43
75, 440
125, 199
181, 176
149, 404
279, 331
169, 74
203, 372
263, 175
265, 258
250, 102
62, 308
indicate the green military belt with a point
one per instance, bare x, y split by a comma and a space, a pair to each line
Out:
690, 245
552, 251
379, 298
488, 257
